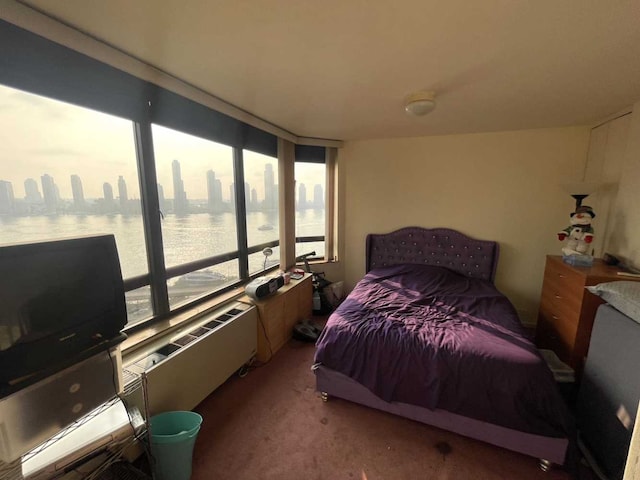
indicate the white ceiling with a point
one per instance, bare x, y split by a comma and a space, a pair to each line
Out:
340, 69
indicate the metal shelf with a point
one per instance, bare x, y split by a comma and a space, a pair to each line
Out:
120, 470
113, 452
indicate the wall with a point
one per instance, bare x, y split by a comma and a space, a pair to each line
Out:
614, 159
500, 186
606, 160
616, 162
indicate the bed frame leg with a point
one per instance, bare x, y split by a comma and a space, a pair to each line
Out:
545, 465
324, 396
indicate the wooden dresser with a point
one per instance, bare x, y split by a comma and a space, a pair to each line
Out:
279, 312
567, 309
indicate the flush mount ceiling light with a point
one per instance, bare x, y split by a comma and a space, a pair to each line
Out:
420, 103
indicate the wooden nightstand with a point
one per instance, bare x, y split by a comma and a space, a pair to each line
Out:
279, 312
567, 309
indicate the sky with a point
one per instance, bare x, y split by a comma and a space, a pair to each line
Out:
39, 135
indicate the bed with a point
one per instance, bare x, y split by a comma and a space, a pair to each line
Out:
427, 336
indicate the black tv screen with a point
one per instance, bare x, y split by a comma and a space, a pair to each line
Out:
58, 299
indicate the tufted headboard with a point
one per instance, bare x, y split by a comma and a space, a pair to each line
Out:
434, 246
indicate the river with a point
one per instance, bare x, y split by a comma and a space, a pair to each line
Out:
185, 238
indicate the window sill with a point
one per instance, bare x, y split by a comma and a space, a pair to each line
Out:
143, 336
317, 262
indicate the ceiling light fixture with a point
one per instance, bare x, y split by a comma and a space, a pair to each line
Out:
420, 103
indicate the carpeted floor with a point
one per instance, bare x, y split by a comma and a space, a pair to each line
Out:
272, 424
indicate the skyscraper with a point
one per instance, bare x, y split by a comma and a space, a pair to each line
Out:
49, 191
214, 192
318, 196
78, 193
31, 192
254, 199
107, 189
7, 200
122, 194
302, 197
270, 198
179, 195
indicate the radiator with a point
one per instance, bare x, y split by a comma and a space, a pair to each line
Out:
184, 368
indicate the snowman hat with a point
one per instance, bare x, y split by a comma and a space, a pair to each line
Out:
584, 209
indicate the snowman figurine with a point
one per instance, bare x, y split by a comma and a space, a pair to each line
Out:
579, 233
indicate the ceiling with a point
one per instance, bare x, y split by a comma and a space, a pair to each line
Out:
341, 69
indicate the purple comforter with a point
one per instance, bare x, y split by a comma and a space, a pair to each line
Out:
428, 336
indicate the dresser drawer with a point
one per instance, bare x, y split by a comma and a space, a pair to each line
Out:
547, 336
559, 270
564, 283
567, 310
557, 304
564, 326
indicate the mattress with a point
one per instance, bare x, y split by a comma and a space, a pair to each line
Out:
427, 336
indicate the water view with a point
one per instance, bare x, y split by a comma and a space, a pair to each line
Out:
185, 239
72, 171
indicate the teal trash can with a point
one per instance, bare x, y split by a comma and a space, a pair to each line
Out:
173, 436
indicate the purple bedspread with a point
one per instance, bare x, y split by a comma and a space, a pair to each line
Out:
428, 336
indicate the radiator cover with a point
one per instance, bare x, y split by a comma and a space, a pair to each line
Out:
184, 368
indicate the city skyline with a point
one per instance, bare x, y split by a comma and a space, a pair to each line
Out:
48, 137
50, 201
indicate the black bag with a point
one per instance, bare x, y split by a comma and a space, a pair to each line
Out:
321, 305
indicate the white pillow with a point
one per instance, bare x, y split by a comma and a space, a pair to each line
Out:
622, 295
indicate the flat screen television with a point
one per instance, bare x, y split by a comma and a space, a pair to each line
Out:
60, 302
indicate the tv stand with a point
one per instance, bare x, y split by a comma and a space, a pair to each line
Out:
37, 412
93, 443
18, 384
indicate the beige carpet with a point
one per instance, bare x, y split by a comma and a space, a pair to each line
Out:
273, 425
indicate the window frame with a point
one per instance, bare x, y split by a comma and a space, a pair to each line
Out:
34, 64
318, 155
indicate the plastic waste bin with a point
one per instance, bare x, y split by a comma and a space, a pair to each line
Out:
173, 436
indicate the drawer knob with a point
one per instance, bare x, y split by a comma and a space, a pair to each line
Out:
557, 296
561, 275
554, 317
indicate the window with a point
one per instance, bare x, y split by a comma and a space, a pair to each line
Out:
190, 194
70, 171
310, 202
195, 194
262, 206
